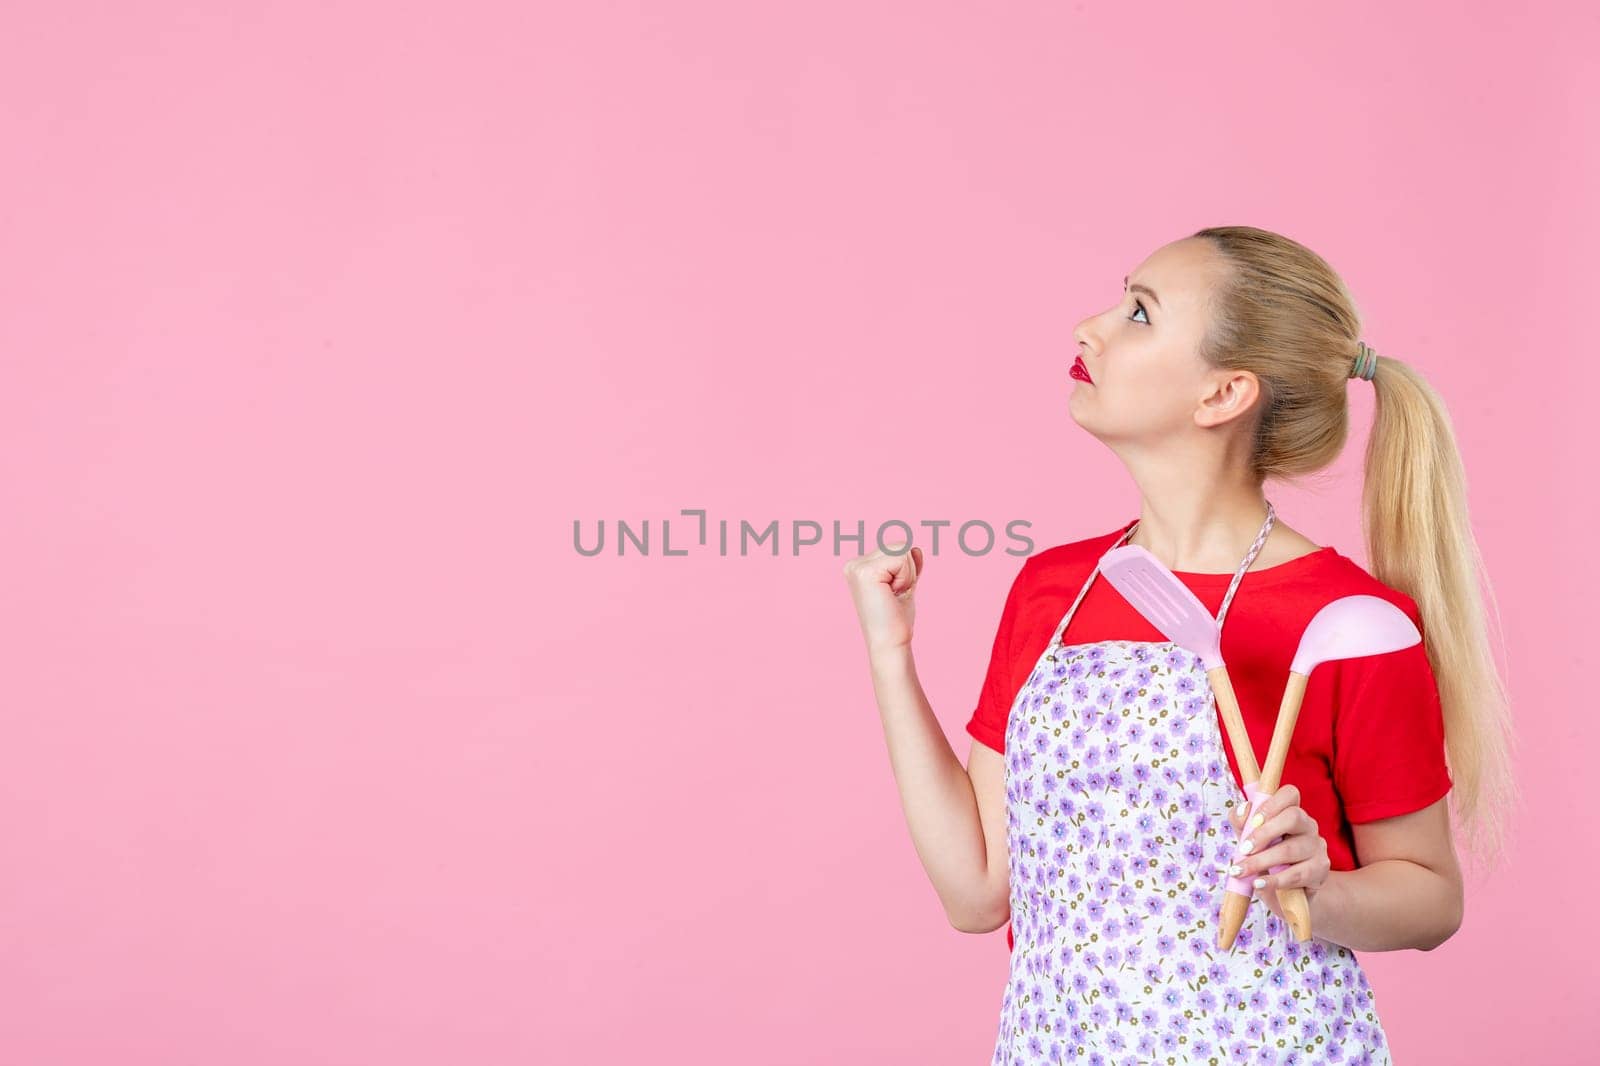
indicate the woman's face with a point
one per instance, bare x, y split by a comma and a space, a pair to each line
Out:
1143, 354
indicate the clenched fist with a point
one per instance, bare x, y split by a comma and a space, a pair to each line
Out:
882, 586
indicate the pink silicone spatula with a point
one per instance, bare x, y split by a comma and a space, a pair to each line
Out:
1169, 605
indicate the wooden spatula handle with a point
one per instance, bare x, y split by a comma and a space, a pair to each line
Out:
1228, 704
1234, 906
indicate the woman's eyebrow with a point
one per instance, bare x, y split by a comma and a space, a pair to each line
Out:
1142, 288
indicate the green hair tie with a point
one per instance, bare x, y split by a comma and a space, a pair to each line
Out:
1366, 363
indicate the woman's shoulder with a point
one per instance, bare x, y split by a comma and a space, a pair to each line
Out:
1343, 576
1059, 570
1075, 555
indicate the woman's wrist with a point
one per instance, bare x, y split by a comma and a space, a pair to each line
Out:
1328, 907
889, 657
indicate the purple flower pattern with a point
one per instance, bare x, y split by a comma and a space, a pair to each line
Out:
1117, 801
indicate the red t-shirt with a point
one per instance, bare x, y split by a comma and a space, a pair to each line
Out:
1369, 741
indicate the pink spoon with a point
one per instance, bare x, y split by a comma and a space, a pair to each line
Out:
1346, 628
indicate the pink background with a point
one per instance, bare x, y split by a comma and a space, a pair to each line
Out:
319, 743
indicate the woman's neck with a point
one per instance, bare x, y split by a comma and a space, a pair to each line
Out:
1199, 526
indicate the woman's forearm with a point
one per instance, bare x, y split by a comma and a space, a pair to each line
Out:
940, 806
1385, 906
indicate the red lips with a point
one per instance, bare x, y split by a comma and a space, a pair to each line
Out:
1079, 371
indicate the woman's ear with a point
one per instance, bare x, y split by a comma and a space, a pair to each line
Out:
1230, 394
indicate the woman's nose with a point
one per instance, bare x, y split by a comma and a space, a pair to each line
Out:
1084, 336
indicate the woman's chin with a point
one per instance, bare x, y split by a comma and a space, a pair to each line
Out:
1075, 404
1083, 414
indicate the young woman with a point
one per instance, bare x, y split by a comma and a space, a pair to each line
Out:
1099, 811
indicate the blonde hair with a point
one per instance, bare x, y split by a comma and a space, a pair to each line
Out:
1282, 313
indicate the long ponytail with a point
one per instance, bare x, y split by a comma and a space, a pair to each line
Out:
1419, 540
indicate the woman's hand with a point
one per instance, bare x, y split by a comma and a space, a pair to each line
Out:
1302, 846
881, 585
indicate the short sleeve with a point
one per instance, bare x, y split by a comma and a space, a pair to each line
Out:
988, 721
1388, 733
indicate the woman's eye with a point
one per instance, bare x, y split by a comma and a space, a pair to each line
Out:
1140, 311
